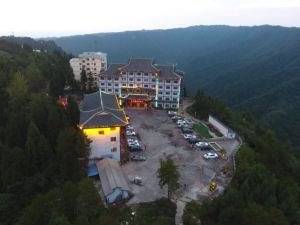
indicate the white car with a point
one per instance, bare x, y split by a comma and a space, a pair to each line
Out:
180, 122
129, 127
133, 142
210, 155
201, 144
130, 133
189, 136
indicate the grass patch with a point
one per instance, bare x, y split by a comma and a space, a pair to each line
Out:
202, 130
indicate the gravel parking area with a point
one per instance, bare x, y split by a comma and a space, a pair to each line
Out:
161, 138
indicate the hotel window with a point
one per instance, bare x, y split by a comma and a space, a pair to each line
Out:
83, 61
130, 79
174, 106
145, 80
138, 74
160, 87
130, 85
175, 81
87, 59
124, 85
139, 79
145, 85
109, 90
131, 73
95, 69
101, 78
145, 74
167, 93
168, 87
175, 93
175, 88
159, 98
116, 90
93, 59
153, 80
123, 73
116, 85
167, 99
88, 68
113, 139
160, 93
88, 64
101, 132
153, 86
102, 84
168, 81
175, 99
109, 84
113, 149
79, 63
124, 78
102, 89
116, 78
109, 78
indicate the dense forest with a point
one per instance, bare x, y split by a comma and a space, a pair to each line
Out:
265, 187
43, 154
256, 69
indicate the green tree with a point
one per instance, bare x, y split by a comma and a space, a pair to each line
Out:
36, 80
18, 91
73, 111
169, 175
37, 151
72, 149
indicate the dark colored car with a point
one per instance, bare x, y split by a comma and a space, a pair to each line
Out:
186, 130
134, 148
205, 148
194, 140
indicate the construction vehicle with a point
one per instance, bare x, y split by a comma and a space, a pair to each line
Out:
213, 185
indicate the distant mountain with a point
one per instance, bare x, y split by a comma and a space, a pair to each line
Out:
251, 68
41, 45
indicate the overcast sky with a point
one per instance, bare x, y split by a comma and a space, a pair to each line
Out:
40, 18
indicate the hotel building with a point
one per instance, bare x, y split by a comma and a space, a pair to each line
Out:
92, 62
141, 83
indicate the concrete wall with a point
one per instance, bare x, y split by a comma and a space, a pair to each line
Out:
223, 129
101, 145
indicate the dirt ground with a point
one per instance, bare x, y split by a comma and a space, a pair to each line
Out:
161, 138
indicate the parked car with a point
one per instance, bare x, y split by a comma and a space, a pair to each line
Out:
180, 121
129, 127
134, 148
206, 148
188, 136
202, 144
175, 118
182, 125
138, 158
133, 144
194, 140
172, 113
130, 133
186, 130
210, 155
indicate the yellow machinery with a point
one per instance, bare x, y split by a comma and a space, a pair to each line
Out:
213, 185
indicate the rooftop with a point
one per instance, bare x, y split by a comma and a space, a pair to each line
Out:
142, 65
101, 109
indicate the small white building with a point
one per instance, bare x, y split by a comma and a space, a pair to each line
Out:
103, 121
92, 62
227, 132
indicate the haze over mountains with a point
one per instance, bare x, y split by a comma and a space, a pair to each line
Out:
251, 68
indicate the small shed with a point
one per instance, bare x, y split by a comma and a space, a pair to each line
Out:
114, 185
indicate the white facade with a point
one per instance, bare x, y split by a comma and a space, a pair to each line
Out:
221, 127
92, 62
105, 142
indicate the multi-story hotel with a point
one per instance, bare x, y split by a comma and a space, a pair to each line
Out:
141, 83
92, 62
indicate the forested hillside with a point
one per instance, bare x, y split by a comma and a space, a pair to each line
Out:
251, 68
265, 186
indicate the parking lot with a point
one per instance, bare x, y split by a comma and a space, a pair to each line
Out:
161, 138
